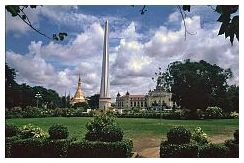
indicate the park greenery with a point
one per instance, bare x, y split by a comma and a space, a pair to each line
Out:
35, 144
181, 143
187, 141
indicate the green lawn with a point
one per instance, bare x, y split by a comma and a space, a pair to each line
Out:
145, 133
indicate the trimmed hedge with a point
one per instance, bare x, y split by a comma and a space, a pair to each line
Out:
168, 150
179, 135
11, 130
47, 148
233, 148
35, 148
213, 151
236, 135
98, 149
58, 131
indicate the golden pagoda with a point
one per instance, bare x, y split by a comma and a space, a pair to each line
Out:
79, 94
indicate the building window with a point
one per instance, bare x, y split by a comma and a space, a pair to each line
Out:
142, 104
134, 103
145, 104
138, 103
131, 104
122, 104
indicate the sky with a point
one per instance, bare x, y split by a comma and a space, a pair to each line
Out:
138, 46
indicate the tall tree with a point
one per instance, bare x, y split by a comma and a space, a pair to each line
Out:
93, 101
196, 85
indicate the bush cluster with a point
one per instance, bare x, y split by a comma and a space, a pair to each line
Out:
179, 135
199, 136
103, 128
200, 147
213, 113
58, 131
33, 112
34, 143
30, 131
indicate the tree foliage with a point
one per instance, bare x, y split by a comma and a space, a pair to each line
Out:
93, 101
24, 95
196, 85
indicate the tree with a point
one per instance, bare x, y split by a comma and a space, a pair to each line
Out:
196, 85
82, 105
19, 10
24, 95
233, 98
10, 85
93, 101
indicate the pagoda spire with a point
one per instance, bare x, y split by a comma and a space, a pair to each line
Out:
79, 94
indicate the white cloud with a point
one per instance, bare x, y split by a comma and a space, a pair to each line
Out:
174, 17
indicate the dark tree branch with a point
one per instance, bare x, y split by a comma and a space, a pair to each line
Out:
30, 25
183, 16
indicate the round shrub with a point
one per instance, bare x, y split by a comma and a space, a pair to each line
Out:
112, 133
214, 112
179, 135
58, 131
11, 130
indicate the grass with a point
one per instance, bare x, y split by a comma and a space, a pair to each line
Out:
145, 133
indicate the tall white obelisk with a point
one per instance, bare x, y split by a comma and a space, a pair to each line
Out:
105, 100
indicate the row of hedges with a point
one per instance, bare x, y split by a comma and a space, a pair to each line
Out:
33, 112
47, 148
182, 144
104, 138
196, 151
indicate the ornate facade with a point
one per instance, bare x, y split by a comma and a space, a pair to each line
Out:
130, 101
153, 100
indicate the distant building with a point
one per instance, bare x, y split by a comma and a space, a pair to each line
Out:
155, 100
130, 101
158, 98
79, 94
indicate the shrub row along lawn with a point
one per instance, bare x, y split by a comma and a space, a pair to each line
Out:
139, 129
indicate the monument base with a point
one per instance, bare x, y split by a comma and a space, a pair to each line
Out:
104, 103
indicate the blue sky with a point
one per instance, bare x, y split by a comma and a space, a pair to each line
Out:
138, 45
